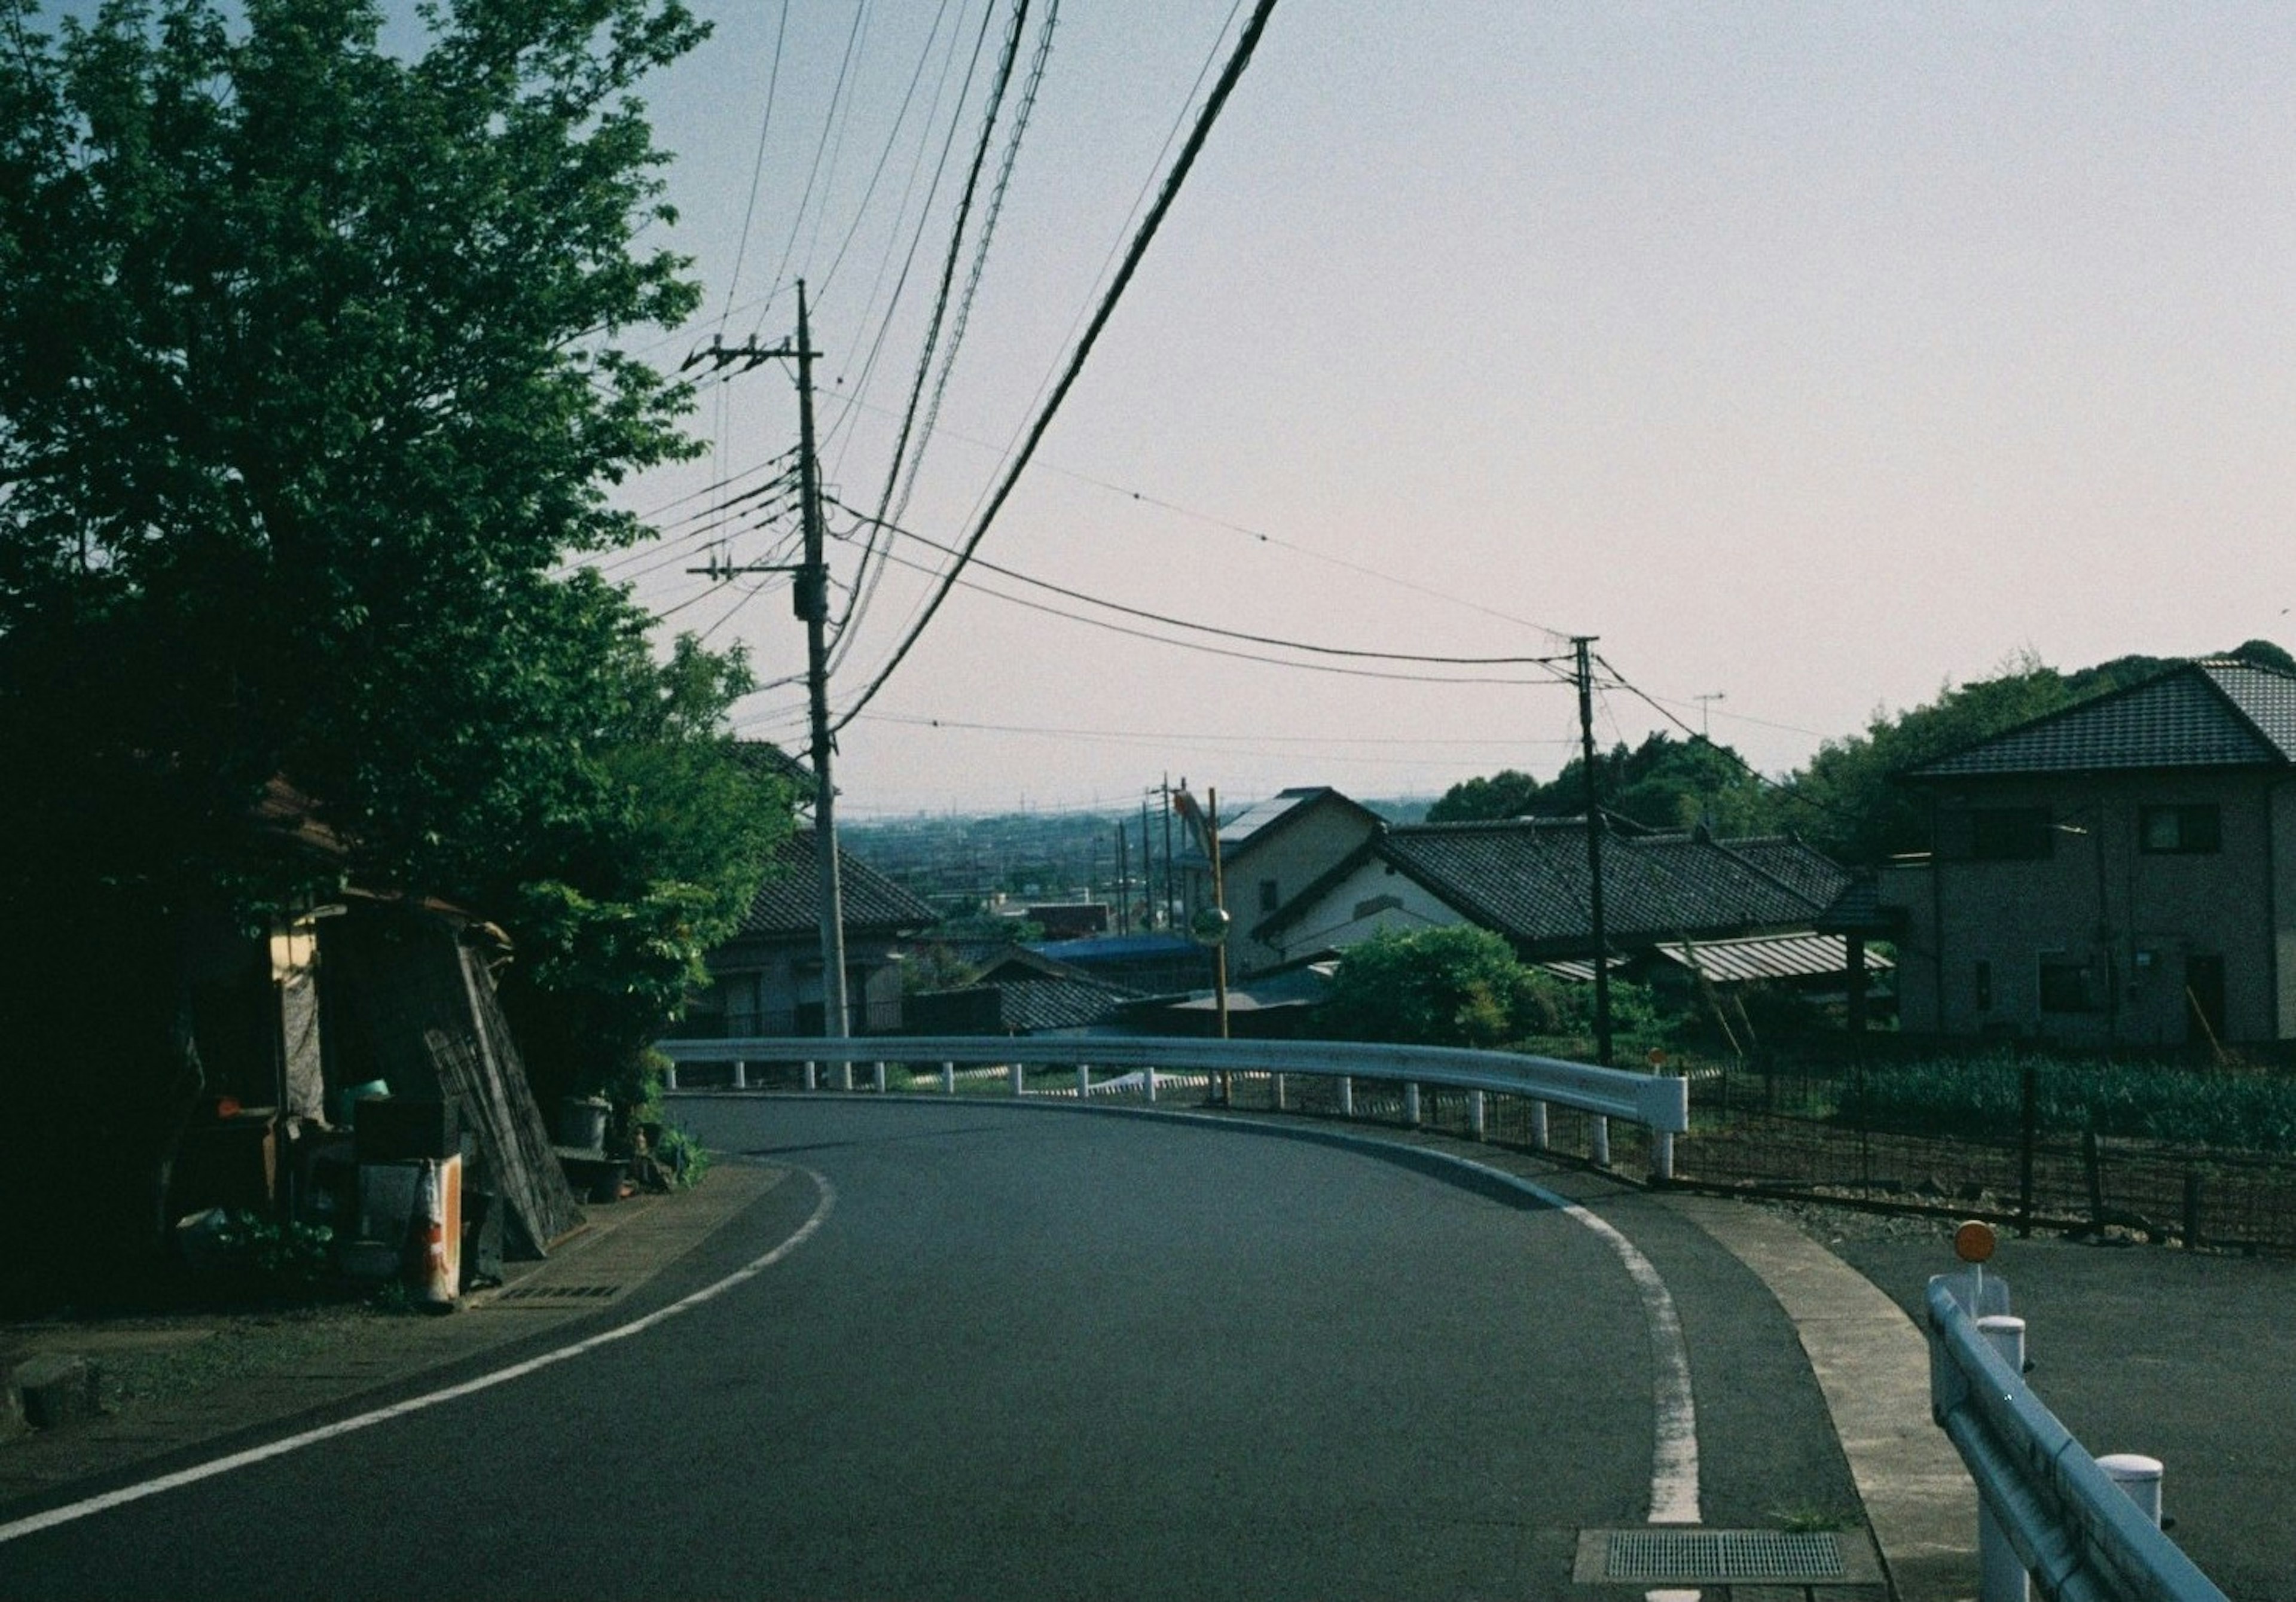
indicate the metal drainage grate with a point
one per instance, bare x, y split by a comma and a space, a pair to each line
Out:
560, 1293
1720, 1558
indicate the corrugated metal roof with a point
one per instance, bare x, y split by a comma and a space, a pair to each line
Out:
2217, 713
1769, 957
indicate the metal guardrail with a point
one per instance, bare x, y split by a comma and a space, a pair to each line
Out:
1660, 1102
2077, 1534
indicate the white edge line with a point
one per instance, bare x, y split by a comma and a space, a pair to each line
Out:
415, 1404
1674, 1452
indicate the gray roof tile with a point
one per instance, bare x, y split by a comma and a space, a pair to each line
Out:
1527, 879
2202, 714
789, 902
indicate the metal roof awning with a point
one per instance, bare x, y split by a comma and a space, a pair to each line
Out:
1769, 957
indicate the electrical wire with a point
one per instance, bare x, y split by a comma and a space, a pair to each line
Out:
1200, 648
1232, 634
889, 506
1319, 741
884, 158
998, 87
1238, 60
758, 165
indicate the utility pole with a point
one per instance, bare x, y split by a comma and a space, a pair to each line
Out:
810, 601
1594, 853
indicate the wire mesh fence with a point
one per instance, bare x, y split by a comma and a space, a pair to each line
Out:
1840, 1132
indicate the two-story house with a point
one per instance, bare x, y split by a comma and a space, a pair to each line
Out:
1271, 851
2120, 871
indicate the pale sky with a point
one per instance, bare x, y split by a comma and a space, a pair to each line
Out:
1810, 355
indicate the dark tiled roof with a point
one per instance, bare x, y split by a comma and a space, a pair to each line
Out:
1527, 879
2202, 714
769, 760
1046, 1004
789, 902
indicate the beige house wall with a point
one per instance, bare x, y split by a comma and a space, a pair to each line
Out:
1293, 855
1371, 899
2140, 926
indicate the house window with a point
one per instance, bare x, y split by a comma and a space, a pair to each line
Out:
2010, 833
2067, 985
1267, 902
1984, 987
2191, 830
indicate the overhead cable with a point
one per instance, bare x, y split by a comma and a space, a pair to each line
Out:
1232, 634
1237, 61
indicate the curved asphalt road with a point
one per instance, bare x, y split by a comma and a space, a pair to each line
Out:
1039, 1352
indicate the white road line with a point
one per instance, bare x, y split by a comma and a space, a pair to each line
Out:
1674, 1452
278, 1448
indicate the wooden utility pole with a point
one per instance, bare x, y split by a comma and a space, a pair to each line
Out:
1594, 853
810, 600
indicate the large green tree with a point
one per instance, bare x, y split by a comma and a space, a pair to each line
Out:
1662, 783
312, 384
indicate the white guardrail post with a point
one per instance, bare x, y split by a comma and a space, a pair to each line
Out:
1659, 1103
2082, 1531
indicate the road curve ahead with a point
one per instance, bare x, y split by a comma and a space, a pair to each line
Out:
1040, 1353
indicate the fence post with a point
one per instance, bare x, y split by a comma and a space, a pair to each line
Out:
1280, 1103
1598, 1140
1411, 1104
1661, 1156
1538, 1126
948, 1079
1084, 1083
881, 1079
1475, 1114
2000, 1577
813, 1076
2139, 1477
741, 1075
1346, 1097
1019, 1082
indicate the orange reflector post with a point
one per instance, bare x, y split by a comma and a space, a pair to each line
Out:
1974, 1242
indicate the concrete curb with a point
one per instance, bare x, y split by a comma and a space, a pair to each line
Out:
1871, 1364
620, 1249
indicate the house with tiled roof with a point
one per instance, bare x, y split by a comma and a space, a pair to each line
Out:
766, 979
1269, 852
2121, 872
1528, 879
1020, 993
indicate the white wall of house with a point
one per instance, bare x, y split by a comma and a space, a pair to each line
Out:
1270, 871
1371, 899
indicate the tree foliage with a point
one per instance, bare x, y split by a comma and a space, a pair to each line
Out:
1453, 986
1662, 783
312, 381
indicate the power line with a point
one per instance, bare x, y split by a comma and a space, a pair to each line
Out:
971, 726
1232, 634
999, 86
1202, 649
758, 165
1237, 61
1261, 536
